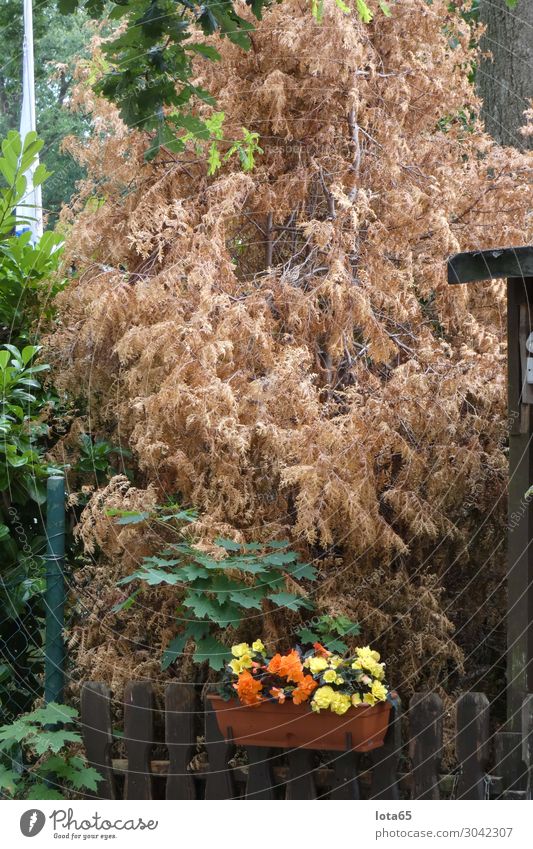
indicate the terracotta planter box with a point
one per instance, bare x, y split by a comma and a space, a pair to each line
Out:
289, 726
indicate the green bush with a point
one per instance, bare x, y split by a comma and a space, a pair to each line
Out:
215, 593
25, 406
37, 758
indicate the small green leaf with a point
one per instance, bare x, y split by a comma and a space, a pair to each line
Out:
130, 517
53, 741
42, 792
336, 645
173, 650
279, 543
307, 636
364, 12
8, 780
303, 570
205, 50
228, 544
212, 650
52, 714
292, 602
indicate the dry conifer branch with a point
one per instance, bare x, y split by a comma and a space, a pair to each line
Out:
268, 241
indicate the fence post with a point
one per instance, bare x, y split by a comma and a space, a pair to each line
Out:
425, 743
472, 745
54, 675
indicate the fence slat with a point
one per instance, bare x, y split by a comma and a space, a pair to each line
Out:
97, 734
219, 783
385, 761
472, 745
344, 783
527, 741
508, 758
425, 744
260, 783
180, 704
301, 783
139, 739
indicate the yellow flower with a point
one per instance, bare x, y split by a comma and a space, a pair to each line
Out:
367, 657
335, 661
322, 698
369, 699
356, 699
330, 676
379, 691
377, 670
366, 650
317, 664
239, 664
340, 703
258, 646
356, 664
240, 649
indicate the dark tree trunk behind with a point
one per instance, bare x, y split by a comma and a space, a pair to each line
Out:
506, 79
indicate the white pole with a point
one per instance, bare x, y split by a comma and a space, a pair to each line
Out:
31, 207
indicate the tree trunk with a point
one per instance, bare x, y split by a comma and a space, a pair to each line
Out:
506, 77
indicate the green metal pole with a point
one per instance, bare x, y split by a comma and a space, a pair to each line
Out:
54, 675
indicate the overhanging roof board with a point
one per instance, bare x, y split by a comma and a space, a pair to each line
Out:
490, 265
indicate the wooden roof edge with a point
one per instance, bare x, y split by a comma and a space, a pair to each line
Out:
491, 264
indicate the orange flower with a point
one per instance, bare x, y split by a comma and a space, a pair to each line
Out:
248, 689
304, 689
321, 650
278, 694
275, 665
289, 666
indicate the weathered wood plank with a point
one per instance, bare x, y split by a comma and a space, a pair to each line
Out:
520, 524
527, 741
260, 783
492, 264
301, 783
97, 735
472, 745
344, 783
385, 761
180, 705
425, 744
138, 738
509, 766
219, 783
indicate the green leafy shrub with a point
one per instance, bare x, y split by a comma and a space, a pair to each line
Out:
23, 474
36, 756
25, 406
25, 270
217, 592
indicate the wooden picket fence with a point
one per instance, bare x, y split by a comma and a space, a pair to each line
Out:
170, 764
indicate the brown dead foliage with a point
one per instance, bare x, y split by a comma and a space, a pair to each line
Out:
281, 347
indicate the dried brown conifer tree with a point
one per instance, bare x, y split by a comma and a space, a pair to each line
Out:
281, 346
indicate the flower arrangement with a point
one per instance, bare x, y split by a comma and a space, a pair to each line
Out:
326, 680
